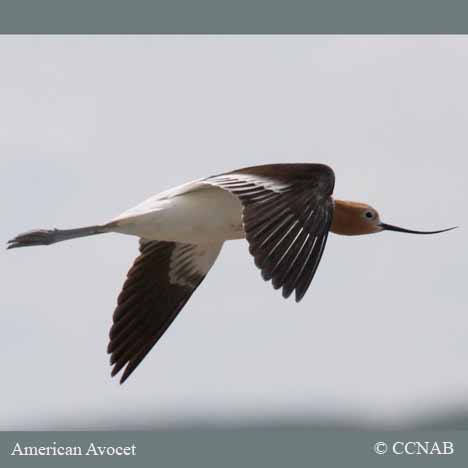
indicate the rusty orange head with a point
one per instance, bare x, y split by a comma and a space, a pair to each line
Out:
354, 218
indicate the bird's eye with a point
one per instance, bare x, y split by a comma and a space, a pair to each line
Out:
369, 214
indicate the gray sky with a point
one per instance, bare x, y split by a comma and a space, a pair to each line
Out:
90, 126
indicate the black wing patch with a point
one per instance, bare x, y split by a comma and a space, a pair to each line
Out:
160, 282
287, 213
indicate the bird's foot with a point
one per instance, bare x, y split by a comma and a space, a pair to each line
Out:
31, 238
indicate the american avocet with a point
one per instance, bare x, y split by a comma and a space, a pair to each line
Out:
285, 211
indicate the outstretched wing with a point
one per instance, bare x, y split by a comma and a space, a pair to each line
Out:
287, 213
158, 285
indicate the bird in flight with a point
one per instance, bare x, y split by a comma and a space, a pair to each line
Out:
285, 211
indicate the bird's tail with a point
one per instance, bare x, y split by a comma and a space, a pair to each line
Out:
51, 236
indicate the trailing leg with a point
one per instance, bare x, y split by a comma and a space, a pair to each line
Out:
51, 236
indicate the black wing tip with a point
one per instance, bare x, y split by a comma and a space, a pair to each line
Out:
299, 296
128, 369
126, 374
286, 292
119, 364
123, 378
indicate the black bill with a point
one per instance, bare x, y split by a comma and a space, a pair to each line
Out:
389, 227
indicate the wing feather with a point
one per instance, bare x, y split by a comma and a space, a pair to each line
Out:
287, 212
162, 279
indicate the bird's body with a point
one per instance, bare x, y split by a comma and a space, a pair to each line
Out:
195, 213
285, 211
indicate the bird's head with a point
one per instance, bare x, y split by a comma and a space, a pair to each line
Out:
353, 218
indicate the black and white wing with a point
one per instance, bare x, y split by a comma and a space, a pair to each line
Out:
160, 282
287, 213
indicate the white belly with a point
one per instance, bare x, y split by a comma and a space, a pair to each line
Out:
202, 214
